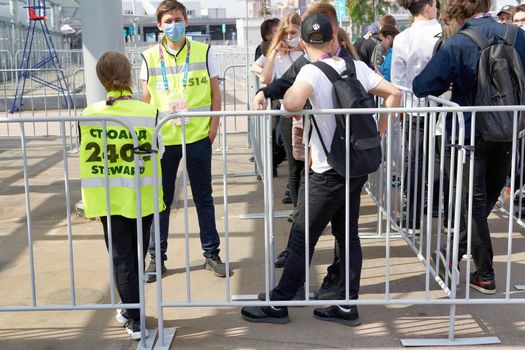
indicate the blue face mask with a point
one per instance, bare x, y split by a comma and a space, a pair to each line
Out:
175, 31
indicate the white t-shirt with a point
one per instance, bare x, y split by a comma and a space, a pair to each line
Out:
281, 63
213, 66
321, 98
411, 51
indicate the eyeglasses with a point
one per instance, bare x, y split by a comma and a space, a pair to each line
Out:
521, 21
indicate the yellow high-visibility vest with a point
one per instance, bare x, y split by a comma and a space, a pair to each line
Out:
197, 93
120, 164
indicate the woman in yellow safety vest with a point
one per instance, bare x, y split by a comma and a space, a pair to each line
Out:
114, 72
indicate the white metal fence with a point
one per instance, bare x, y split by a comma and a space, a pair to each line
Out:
385, 194
20, 125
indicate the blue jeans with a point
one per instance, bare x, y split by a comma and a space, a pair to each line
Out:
326, 203
199, 173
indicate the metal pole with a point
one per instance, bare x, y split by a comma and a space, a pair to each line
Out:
102, 25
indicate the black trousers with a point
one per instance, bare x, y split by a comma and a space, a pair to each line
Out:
492, 162
326, 203
295, 167
125, 256
413, 192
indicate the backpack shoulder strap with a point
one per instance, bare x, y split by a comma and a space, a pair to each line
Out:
330, 73
511, 32
319, 134
350, 68
476, 36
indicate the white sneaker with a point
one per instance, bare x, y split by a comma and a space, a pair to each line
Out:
121, 318
133, 329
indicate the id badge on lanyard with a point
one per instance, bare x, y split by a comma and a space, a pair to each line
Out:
179, 103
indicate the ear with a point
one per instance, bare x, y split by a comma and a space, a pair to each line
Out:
186, 22
159, 25
303, 46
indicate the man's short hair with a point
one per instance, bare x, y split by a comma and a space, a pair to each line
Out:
168, 6
519, 8
322, 8
267, 26
387, 20
316, 29
389, 30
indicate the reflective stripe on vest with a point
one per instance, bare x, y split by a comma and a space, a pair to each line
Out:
118, 182
120, 160
156, 71
197, 93
136, 122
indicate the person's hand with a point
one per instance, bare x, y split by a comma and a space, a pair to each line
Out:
259, 101
283, 48
212, 134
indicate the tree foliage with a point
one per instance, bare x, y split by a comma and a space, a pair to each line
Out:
367, 11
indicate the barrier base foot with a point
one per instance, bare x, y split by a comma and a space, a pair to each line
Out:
375, 235
242, 174
260, 216
252, 297
519, 287
169, 335
150, 340
447, 342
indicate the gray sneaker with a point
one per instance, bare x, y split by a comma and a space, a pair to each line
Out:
152, 268
215, 264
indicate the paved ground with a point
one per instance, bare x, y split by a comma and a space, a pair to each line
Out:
212, 328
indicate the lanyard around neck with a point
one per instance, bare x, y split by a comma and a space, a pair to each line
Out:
163, 66
326, 55
111, 100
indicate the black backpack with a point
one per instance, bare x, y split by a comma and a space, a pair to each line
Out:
365, 142
378, 55
500, 82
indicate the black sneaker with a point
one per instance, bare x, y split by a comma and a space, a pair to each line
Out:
348, 316
396, 181
151, 270
287, 199
299, 295
133, 329
215, 264
281, 259
485, 287
328, 289
265, 314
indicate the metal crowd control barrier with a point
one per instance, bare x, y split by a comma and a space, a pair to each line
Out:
69, 59
39, 101
6, 59
12, 36
421, 246
145, 343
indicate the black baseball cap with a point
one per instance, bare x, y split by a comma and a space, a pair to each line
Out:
316, 24
506, 9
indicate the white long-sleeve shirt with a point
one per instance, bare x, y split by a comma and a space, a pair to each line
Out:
411, 51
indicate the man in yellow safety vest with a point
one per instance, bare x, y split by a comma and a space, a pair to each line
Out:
181, 75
